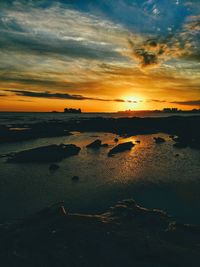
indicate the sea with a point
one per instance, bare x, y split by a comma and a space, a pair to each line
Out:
156, 176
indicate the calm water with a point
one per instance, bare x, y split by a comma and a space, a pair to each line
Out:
149, 173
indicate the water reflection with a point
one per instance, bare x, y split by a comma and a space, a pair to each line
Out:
151, 173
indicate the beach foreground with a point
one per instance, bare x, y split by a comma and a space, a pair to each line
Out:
125, 235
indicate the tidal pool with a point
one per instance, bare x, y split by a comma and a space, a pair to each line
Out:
152, 174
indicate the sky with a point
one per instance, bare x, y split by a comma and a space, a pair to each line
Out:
100, 56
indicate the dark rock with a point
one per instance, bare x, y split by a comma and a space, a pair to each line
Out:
177, 155
49, 153
33, 131
54, 167
104, 145
75, 178
125, 235
184, 141
159, 140
95, 145
120, 148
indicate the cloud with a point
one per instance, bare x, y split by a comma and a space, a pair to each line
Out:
187, 103
63, 96
157, 101
58, 31
146, 58
151, 52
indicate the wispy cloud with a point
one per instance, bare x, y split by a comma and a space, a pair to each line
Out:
194, 103
63, 96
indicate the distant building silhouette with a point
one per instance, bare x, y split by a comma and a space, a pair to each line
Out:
72, 110
170, 110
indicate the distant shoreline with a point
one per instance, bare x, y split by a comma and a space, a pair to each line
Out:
116, 113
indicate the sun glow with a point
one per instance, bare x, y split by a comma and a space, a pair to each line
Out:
134, 102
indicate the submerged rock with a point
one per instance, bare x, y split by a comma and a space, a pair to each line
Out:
159, 140
51, 153
120, 148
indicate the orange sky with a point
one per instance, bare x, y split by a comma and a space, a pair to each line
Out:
144, 57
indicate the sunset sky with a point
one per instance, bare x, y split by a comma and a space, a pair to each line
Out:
102, 55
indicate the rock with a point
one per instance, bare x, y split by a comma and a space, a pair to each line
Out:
177, 155
159, 140
120, 148
124, 235
95, 145
75, 178
104, 145
54, 167
116, 140
51, 153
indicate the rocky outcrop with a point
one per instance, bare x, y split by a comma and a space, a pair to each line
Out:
51, 153
121, 148
96, 144
125, 235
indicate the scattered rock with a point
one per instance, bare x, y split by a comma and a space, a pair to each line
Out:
120, 148
54, 167
159, 140
95, 145
51, 153
185, 141
104, 145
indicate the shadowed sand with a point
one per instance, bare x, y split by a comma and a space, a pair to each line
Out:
125, 235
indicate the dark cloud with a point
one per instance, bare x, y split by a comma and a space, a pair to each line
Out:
157, 101
62, 96
187, 103
145, 57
